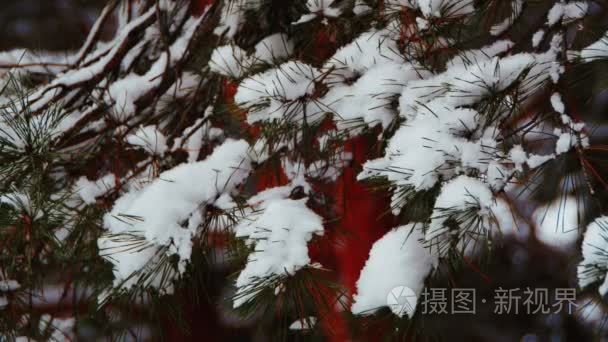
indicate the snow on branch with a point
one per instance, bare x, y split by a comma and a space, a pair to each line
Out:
234, 62
279, 231
399, 258
594, 266
164, 215
278, 93
596, 51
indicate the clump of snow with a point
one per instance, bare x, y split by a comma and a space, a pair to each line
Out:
557, 103
594, 265
517, 6
9, 285
575, 10
476, 81
558, 223
150, 139
280, 231
371, 48
518, 156
436, 8
232, 16
424, 149
369, 98
229, 60
125, 92
458, 197
306, 323
555, 13
23, 202
565, 142
275, 93
397, 259
537, 38
596, 51
62, 329
192, 139
567, 12
485, 53
154, 215
91, 190
272, 48
232, 61
361, 7
318, 8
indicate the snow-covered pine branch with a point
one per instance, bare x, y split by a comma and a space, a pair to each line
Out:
166, 214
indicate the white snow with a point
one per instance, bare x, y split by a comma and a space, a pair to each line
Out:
23, 202
274, 94
397, 259
318, 8
369, 98
366, 51
597, 50
574, 10
535, 160
125, 92
275, 47
466, 84
91, 190
445, 139
280, 231
558, 223
150, 139
232, 61
479, 55
567, 12
517, 6
594, 265
557, 103
306, 323
361, 7
537, 38
555, 13
518, 156
457, 196
441, 8
62, 329
9, 285
232, 16
155, 213
565, 142
229, 60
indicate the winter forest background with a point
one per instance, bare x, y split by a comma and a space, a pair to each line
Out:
257, 170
